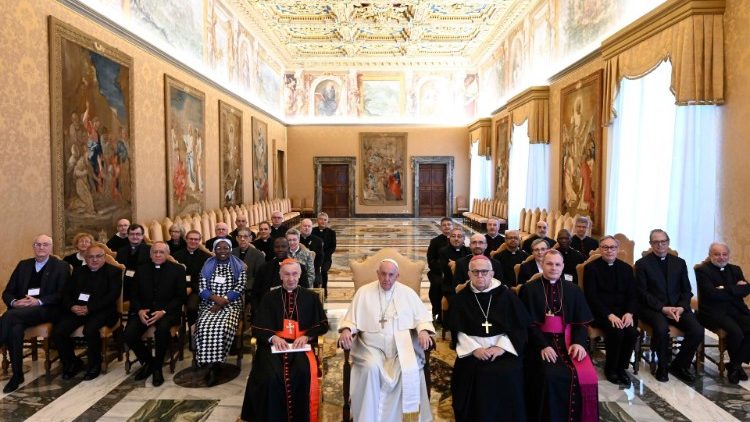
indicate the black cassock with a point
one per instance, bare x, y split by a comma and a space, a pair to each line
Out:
489, 390
278, 388
553, 390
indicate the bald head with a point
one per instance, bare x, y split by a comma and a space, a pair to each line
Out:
122, 227
477, 244
222, 229
241, 221
277, 218
305, 227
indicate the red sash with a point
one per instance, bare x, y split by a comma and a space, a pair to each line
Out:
291, 331
585, 369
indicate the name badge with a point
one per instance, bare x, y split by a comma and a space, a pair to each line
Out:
188, 278
129, 273
220, 280
568, 277
84, 297
34, 292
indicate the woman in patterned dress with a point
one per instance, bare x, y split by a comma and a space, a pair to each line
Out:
222, 282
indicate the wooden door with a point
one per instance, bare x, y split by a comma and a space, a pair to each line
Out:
335, 190
432, 190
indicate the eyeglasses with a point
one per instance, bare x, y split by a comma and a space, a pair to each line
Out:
98, 256
480, 272
194, 239
608, 248
42, 245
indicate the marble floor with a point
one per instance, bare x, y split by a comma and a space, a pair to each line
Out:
115, 396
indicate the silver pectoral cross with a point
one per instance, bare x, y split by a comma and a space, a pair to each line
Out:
486, 326
290, 327
382, 322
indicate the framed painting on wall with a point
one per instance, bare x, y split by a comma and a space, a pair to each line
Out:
260, 160
91, 100
186, 159
382, 96
581, 148
230, 151
383, 173
502, 131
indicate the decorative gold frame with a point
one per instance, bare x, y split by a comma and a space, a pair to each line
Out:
198, 204
227, 164
260, 160
380, 152
502, 157
59, 31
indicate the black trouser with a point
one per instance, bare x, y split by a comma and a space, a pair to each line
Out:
435, 293
324, 275
14, 322
618, 344
135, 329
661, 342
737, 328
91, 325
191, 307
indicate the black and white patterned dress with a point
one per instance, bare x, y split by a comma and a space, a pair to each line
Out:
215, 331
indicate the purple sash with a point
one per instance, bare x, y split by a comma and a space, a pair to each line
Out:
585, 369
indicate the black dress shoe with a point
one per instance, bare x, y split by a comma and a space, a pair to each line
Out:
740, 372
662, 374
612, 377
13, 383
733, 374
622, 375
158, 378
143, 372
92, 373
682, 373
73, 369
213, 374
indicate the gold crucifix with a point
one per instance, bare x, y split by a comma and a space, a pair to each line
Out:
486, 326
290, 327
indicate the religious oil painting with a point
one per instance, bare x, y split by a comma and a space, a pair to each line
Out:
269, 82
581, 139
383, 173
177, 23
186, 159
91, 97
327, 95
230, 151
260, 160
502, 130
585, 21
382, 96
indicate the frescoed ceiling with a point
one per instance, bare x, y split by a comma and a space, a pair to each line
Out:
348, 33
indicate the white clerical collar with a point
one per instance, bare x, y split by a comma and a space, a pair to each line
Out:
493, 285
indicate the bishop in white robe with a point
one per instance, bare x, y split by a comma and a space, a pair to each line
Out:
393, 329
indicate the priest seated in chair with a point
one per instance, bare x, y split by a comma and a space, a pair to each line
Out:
393, 329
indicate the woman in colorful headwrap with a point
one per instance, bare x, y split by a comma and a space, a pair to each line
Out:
222, 282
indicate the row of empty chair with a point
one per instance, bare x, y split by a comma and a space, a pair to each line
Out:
205, 222
482, 209
554, 219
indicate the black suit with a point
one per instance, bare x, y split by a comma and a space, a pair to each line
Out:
571, 259
193, 262
462, 270
585, 245
528, 269
51, 278
526, 245
254, 259
156, 289
493, 243
328, 236
132, 259
435, 273
265, 246
610, 289
655, 291
720, 305
104, 287
314, 244
508, 261
278, 231
449, 253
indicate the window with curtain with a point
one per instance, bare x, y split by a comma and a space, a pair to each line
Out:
661, 167
517, 173
481, 175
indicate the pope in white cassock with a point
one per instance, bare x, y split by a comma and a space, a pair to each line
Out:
393, 330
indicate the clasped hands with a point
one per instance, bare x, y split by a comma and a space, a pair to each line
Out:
346, 339
80, 310
281, 344
488, 353
219, 303
673, 312
26, 302
625, 321
575, 351
148, 318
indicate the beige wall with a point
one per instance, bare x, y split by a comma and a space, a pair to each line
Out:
25, 189
306, 142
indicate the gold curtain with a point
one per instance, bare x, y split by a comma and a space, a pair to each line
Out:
689, 33
532, 105
481, 131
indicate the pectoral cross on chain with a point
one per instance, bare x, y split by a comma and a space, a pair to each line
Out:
290, 327
486, 326
382, 322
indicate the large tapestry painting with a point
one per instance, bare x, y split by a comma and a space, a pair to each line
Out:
260, 160
230, 151
383, 173
502, 129
581, 135
91, 123
186, 133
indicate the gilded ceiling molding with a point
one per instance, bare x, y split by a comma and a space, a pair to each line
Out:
481, 130
532, 105
689, 33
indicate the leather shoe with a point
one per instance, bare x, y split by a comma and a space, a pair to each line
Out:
158, 378
92, 373
622, 375
662, 374
612, 377
13, 383
143, 373
682, 373
73, 369
741, 373
733, 375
